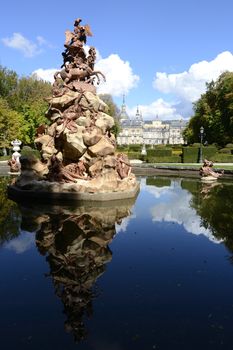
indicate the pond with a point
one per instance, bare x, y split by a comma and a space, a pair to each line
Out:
154, 273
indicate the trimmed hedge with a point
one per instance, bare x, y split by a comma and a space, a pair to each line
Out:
225, 150
159, 152
135, 148
190, 154
209, 151
222, 158
134, 155
171, 159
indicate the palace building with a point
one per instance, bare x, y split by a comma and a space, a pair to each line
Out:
155, 132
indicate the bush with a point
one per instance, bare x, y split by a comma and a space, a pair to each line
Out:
190, 154
225, 150
159, 152
222, 158
171, 159
135, 148
209, 151
134, 155
30, 152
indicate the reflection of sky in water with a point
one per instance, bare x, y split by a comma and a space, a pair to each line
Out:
122, 227
172, 204
22, 243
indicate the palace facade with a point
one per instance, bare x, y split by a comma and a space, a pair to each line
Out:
156, 132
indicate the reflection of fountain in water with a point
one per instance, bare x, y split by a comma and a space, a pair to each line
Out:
76, 244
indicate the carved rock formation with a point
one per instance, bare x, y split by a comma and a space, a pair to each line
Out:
78, 147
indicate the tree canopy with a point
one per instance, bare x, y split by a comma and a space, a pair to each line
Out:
22, 106
113, 110
214, 111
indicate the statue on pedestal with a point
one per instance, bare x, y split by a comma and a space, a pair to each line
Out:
78, 148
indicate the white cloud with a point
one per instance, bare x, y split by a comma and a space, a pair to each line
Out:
22, 243
120, 78
28, 48
189, 85
121, 227
119, 75
164, 110
174, 206
45, 74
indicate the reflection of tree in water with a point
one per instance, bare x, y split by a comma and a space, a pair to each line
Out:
9, 214
76, 245
214, 204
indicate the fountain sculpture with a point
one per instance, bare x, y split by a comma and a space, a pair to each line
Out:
207, 173
78, 148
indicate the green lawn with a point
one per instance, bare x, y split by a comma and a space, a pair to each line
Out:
194, 165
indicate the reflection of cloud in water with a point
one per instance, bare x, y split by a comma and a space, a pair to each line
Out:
174, 206
22, 243
122, 227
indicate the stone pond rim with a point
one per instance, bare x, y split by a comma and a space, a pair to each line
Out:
20, 195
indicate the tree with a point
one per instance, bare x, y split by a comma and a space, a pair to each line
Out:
214, 111
11, 124
28, 91
8, 82
113, 110
23, 106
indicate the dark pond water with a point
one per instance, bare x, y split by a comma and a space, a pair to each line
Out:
154, 274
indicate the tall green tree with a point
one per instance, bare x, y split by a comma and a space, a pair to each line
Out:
8, 82
12, 124
22, 105
214, 111
113, 110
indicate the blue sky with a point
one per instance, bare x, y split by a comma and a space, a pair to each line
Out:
159, 53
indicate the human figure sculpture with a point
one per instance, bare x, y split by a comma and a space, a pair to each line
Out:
207, 170
14, 164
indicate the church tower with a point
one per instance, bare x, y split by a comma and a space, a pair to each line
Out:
123, 117
138, 117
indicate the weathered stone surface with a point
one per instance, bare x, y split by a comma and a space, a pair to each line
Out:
92, 102
104, 121
103, 148
65, 100
74, 147
96, 168
92, 136
83, 121
110, 162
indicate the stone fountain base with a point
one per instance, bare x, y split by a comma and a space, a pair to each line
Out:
55, 192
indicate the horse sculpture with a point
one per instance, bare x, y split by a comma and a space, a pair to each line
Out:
79, 74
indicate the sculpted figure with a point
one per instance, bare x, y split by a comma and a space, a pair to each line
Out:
207, 170
123, 166
14, 165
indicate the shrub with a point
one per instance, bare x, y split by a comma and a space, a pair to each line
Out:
222, 158
209, 151
30, 152
134, 155
190, 154
159, 152
171, 159
225, 150
135, 148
